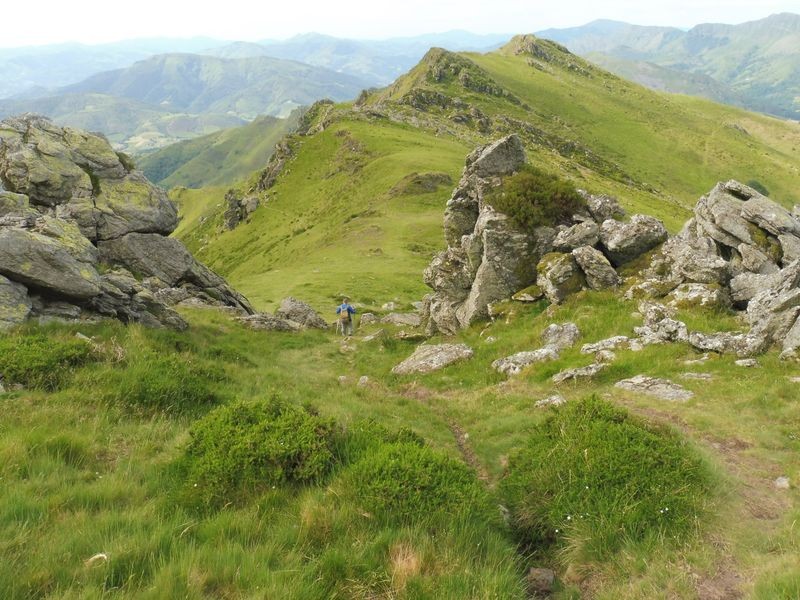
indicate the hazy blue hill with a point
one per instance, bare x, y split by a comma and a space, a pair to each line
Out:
29, 68
245, 87
756, 63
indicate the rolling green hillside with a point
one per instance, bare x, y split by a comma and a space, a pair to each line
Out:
341, 204
753, 63
219, 158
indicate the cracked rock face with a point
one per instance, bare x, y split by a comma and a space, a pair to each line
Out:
76, 220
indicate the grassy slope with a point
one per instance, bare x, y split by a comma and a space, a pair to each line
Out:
219, 158
658, 153
84, 475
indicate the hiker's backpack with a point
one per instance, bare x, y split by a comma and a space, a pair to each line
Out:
344, 313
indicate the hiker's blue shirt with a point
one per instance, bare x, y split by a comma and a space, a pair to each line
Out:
348, 307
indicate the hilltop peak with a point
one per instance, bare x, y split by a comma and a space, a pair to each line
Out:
530, 44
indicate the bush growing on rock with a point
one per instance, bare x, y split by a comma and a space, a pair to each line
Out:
41, 361
404, 482
245, 447
532, 198
592, 478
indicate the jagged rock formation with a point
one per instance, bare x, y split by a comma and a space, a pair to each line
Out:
77, 222
291, 315
741, 248
238, 209
489, 258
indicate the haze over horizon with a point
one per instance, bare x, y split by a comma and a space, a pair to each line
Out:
360, 19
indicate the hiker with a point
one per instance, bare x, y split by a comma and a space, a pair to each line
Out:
346, 311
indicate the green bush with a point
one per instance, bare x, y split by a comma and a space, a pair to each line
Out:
592, 478
407, 481
167, 382
40, 361
365, 436
244, 447
533, 198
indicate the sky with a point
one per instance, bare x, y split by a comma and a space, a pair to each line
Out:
96, 21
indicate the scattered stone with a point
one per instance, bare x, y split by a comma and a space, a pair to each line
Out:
663, 389
427, 358
363, 381
613, 343
540, 581
402, 319
374, 336
554, 400
368, 319
688, 295
794, 379
747, 363
390, 306
697, 361
531, 293
514, 364
300, 312
600, 275
782, 483
578, 373
698, 376
561, 335
605, 357
662, 332
625, 241
410, 336
343, 379
265, 322
604, 208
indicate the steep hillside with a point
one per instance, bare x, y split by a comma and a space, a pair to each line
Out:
219, 158
344, 202
755, 62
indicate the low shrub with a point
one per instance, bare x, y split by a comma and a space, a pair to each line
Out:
243, 447
406, 481
592, 478
42, 361
532, 198
162, 381
365, 436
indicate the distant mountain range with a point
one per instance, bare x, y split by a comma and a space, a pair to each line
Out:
755, 64
171, 97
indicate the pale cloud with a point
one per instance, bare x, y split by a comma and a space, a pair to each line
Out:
95, 21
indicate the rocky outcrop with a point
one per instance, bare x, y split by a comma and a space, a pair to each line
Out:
489, 258
76, 221
663, 389
740, 248
301, 313
238, 209
427, 358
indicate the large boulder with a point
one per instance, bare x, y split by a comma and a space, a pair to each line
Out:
514, 364
65, 192
624, 242
580, 234
502, 157
599, 273
427, 358
559, 276
295, 310
663, 389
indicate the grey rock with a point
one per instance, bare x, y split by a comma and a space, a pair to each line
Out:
626, 241
266, 322
368, 319
561, 336
718, 215
694, 259
581, 234
790, 249
605, 356
663, 389
748, 363
530, 294
698, 376
770, 216
381, 333
755, 261
613, 343
662, 332
554, 400
654, 312
295, 310
579, 373
363, 381
603, 208
782, 483
514, 364
559, 276
427, 358
15, 305
689, 295
746, 286
598, 271
403, 319
498, 158
723, 343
